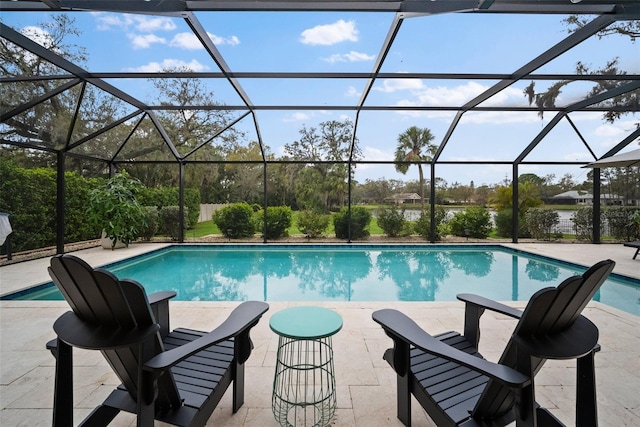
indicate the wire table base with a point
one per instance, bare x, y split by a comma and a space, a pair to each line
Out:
304, 388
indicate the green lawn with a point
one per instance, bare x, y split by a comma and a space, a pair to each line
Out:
203, 229
209, 227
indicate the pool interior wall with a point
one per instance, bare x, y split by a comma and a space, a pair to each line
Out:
350, 273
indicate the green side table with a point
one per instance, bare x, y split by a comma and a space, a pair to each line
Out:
304, 385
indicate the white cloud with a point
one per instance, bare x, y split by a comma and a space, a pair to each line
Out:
352, 92
440, 96
329, 34
450, 96
349, 57
144, 41
145, 23
191, 42
394, 85
170, 64
185, 41
38, 35
610, 130
610, 134
296, 117
373, 154
106, 21
231, 41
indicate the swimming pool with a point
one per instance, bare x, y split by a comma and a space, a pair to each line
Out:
350, 273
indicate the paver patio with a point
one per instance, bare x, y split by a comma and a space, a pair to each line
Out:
365, 383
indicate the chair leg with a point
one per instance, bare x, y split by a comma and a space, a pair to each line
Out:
145, 399
63, 389
586, 400
526, 413
404, 399
238, 386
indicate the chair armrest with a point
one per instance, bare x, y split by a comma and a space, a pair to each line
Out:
401, 328
239, 322
473, 310
159, 303
577, 341
158, 297
490, 304
78, 333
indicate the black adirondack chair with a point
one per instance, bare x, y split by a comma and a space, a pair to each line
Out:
457, 387
176, 377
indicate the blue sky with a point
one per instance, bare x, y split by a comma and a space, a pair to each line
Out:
351, 42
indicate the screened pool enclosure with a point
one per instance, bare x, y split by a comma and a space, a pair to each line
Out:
262, 85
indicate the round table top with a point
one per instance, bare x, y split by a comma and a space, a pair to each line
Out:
306, 322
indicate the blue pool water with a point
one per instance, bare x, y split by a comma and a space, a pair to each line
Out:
351, 273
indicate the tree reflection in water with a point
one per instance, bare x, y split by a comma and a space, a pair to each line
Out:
542, 271
417, 274
340, 273
220, 275
472, 263
331, 273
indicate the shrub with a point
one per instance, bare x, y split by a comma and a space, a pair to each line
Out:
114, 208
278, 221
76, 226
472, 222
170, 221
423, 224
502, 219
360, 219
151, 228
583, 223
29, 196
236, 220
540, 223
622, 223
313, 223
170, 196
392, 221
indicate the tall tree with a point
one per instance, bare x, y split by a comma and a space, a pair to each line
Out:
547, 98
325, 150
414, 146
54, 123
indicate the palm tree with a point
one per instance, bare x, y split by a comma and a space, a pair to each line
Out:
414, 145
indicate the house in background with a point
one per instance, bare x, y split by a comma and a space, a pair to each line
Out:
572, 197
583, 198
402, 198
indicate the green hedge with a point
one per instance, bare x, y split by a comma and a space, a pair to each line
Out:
279, 219
540, 223
360, 219
392, 221
29, 196
170, 196
313, 223
472, 222
236, 220
169, 221
622, 222
423, 225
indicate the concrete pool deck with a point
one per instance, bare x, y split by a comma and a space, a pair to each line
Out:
365, 383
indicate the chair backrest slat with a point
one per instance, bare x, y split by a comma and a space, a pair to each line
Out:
99, 298
549, 312
67, 285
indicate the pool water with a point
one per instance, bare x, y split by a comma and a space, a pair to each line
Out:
352, 273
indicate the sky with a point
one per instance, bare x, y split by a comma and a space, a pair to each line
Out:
351, 42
